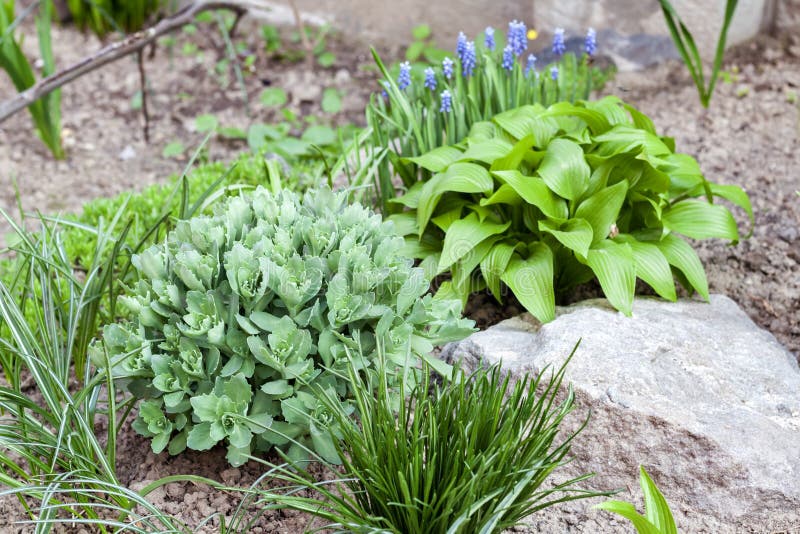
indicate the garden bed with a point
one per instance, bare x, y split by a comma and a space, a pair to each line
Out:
748, 138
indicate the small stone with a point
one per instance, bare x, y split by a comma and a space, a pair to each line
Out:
127, 153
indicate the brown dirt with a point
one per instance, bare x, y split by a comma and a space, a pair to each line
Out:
749, 137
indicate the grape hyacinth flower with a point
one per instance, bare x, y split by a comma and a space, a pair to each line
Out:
554, 73
404, 78
489, 39
517, 37
386, 86
591, 42
461, 45
469, 61
447, 68
430, 79
530, 65
508, 58
558, 42
447, 102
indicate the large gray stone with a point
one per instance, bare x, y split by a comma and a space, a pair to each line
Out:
696, 392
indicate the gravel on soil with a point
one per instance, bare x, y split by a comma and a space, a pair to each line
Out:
749, 136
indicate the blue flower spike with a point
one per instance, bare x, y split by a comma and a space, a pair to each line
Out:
489, 38
447, 68
430, 79
469, 61
517, 37
530, 65
461, 46
404, 78
554, 73
447, 102
590, 44
508, 58
558, 42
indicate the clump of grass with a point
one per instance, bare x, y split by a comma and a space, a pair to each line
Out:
474, 456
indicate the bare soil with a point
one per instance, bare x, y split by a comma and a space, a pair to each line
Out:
749, 136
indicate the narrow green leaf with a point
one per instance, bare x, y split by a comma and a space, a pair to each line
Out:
626, 510
656, 509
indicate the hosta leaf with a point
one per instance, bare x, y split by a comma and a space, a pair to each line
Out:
487, 151
651, 266
514, 157
733, 194
531, 281
596, 121
463, 236
411, 198
437, 159
626, 138
601, 210
627, 510
656, 509
682, 256
447, 218
610, 108
494, 264
564, 169
464, 268
575, 234
534, 191
640, 120
482, 130
505, 194
700, 220
459, 177
615, 269
404, 223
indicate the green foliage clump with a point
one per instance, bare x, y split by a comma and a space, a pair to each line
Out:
473, 456
657, 518
543, 199
244, 319
106, 16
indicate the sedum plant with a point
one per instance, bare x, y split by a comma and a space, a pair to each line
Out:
243, 319
539, 200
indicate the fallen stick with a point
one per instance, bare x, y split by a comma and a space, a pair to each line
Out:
115, 51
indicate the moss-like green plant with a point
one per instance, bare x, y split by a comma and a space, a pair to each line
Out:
242, 318
543, 199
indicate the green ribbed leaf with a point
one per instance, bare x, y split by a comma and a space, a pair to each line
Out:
651, 266
700, 220
487, 151
437, 159
575, 234
531, 281
464, 235
494, 264
601, 210
682, 256
615, 269
459, 177
534, 191
564, 169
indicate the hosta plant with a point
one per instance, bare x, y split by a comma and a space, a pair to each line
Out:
539, 200
244, 318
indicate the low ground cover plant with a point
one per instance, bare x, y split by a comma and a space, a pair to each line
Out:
470, 455
243, 317
543, 199
425, 106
